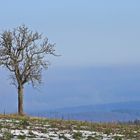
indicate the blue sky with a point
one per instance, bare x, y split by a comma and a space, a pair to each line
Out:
97, 40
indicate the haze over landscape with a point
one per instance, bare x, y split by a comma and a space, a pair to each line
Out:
100, 47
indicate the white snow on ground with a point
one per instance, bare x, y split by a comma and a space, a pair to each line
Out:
46, 132
55, 135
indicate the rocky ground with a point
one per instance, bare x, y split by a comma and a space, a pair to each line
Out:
13, 128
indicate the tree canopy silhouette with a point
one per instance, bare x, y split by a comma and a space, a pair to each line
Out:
23, 52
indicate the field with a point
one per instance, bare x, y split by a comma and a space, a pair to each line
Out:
31, 128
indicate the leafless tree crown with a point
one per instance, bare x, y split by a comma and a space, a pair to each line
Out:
23, 52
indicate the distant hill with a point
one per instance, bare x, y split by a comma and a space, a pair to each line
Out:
134, 105
112, 112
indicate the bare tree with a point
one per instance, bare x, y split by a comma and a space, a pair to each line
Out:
23, 52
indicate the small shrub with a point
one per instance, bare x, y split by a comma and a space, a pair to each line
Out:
117, 138
7, 135
108, 131
24, 123
91, 138
77, 135
21, 136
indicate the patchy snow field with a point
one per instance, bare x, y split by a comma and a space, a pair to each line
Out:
43, 129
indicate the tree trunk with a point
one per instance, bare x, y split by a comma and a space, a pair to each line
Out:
20, 100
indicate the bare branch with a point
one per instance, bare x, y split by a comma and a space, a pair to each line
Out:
23, 52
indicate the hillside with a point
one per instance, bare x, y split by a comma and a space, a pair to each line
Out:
113, 112
31, 128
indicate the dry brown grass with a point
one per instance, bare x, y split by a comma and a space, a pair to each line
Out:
129, 130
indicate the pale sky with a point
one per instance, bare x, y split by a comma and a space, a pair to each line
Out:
86, 32
92, 36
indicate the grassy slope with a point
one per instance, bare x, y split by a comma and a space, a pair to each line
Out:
129, 131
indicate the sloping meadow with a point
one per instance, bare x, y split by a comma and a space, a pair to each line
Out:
14, 127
